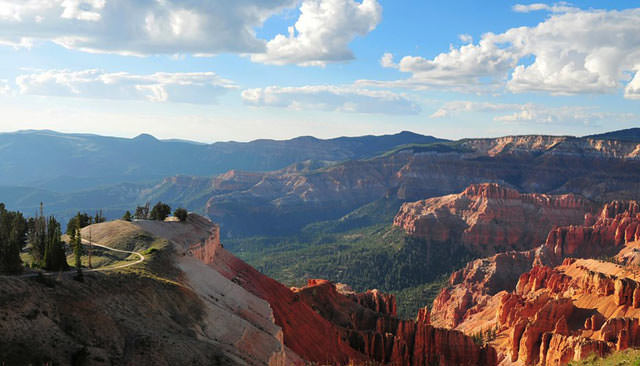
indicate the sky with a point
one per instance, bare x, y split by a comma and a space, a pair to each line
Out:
240, 70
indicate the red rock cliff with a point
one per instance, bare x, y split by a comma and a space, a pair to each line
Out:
389, 340
617, 224
324, 325
488, 218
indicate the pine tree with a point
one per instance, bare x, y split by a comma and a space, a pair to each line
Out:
77, 249
79, 221
99, 217
77, 253
127, 216
13, 229
54, 254
160, 211
37, 236
181, 214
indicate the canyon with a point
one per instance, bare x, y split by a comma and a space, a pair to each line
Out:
539, 237
574, 295
193, 301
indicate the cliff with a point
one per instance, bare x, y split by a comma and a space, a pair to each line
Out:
489, 218
617, 224
386, 339
328, 324
560, 314
171, 309
613, 229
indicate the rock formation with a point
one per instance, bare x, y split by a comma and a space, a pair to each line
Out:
617, 224
561, 314
489, 218
469, 288
289, 199
331, 324
386, 339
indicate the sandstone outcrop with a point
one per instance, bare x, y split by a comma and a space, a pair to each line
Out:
560, 314
613, 228
386, 339
489, 218
470, 288
617, 224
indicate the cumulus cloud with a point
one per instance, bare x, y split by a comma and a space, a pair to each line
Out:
471, 66
139, 27
331, 98
323, 32
571, 52
198, 87
533, 113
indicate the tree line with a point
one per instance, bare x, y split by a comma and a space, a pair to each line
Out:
160, 212
42, 236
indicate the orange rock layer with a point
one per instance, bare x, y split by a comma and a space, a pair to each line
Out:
489, 218
562, 308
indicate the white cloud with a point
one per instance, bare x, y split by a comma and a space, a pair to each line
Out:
387, 61
632, 91
534, 113
571, 52
466, 68
5, 89
560, 7
198, 87
139, 27
466, 38
322, 33
331, 98
456, 107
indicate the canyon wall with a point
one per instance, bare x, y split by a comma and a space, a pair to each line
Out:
489, 218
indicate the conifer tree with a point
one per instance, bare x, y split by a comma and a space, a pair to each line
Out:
77, 253
37, 236
13, 229
54, 254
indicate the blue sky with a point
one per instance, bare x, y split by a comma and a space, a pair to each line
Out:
219, 70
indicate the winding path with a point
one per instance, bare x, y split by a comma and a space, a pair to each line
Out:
141, 259
93, 243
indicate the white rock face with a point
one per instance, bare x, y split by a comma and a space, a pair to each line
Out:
235, 320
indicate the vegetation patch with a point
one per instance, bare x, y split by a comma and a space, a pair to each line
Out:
630, 357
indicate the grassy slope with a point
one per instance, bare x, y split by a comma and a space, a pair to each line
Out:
628, 357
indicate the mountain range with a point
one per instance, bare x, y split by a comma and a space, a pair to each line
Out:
69, 162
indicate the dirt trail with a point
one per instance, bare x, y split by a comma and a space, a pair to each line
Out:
86, 242
93, 243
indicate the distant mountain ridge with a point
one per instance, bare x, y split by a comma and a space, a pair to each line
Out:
629, 134
70, 162
344, 174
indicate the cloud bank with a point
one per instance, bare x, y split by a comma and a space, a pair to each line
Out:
135, 27
198, 87
533, 113
331, 98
